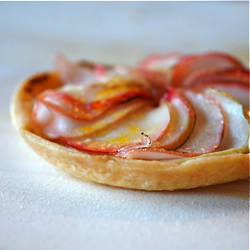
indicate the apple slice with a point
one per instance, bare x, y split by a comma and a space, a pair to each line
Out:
150, 120
111, 89
71, 73
156, 80
54, 124
236, 134
209, 61
239, 91
181, 123
92, 102
240, 76
148, 150
86, 73
158, 68
158, 154
158, 62
209, 125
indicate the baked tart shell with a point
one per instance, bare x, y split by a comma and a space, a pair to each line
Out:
107, 169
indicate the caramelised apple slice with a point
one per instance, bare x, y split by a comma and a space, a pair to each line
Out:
54, 124
112, 90
236, 134
150, 120
207, 133
182, 120
92, 101
239, 91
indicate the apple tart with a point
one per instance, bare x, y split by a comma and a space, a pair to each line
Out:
171, 121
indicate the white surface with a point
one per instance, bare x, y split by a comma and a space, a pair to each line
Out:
42, 207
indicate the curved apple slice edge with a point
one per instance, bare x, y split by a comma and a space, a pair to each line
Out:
182, 120
157, 62
207, 109
234, 75
153, 154
152, 121
55, 124
209, 124
213, 60
236, 134
239, 91
222, 98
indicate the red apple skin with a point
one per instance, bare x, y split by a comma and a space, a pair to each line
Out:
240, 76
156, 154
181, 123
186, 70
194, 63
76, 109
95, 149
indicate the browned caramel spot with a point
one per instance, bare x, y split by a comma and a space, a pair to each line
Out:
28, 90
38, 79
91, 65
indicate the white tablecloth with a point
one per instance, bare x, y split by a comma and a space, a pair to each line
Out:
42, 207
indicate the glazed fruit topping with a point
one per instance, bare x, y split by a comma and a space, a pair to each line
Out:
166, 107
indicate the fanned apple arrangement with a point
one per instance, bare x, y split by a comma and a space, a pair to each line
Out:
172, 121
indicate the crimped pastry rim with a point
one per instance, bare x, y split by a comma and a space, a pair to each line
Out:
115, 171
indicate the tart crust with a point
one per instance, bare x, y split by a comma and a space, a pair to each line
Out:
127, 173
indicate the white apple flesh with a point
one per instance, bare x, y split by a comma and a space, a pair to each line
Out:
236, 134
153, 121
55, 124
239, 91
209, 125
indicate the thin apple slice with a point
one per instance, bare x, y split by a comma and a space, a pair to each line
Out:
71, 73
236, 134
150, 120
114, 88
148, 150
158, 154
54, 124
158, 68
209, 125
156, 82
110, 118
194, 63
239, 91
182, 120
161, 62
87, 105
240, 76
86, 73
